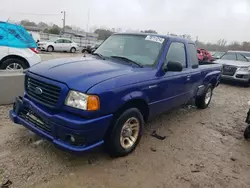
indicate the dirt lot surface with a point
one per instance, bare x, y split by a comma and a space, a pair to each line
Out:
203, 148
48, 56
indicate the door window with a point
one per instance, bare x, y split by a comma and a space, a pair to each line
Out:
59, 41
193, 56
240, 57
67, 41
176, 53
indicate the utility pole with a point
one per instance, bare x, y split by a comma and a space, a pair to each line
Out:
64, 21
88, 20
87, 29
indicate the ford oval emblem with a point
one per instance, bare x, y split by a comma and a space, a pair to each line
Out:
38, 91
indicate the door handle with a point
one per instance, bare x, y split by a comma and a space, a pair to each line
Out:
188, 77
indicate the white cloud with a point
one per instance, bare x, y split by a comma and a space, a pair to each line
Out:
210, 20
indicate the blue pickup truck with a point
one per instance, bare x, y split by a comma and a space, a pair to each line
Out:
81, 103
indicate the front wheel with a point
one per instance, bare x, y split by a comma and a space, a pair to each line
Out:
247, 133
50, 49
126, 133
203, 101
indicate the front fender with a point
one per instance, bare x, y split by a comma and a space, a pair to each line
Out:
135, 95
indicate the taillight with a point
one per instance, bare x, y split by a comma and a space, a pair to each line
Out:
34, 50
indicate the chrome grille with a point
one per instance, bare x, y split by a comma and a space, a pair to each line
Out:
45, 93
228, 70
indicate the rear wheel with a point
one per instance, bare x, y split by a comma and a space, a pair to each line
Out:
126, 133
73, 50
13, 64
247, 133
203, 101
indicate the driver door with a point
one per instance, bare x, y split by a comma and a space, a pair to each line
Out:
58, 46
171, 90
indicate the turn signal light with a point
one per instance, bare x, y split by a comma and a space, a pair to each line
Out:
93, 103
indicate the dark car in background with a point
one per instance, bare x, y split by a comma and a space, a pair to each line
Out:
90, 49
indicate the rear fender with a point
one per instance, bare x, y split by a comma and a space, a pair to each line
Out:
211, 78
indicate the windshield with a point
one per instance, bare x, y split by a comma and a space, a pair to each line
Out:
229, 56
218, 54
141, 49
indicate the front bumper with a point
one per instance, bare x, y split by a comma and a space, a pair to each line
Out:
59, 127
41, 48
239, 76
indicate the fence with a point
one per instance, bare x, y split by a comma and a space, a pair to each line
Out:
87, 39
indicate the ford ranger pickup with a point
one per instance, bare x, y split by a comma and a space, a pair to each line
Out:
81, 103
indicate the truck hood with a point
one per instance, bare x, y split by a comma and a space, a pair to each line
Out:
233, 63
80, 73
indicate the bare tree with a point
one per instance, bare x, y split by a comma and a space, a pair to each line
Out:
222, 42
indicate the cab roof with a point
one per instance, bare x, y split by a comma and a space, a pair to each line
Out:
157, 35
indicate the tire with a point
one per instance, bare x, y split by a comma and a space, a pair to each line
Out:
73, 50
119, 142
50, 49
203, 102
247, 84
15, 63
247, 133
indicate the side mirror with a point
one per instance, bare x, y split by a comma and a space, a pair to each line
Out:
55, 42
173, 66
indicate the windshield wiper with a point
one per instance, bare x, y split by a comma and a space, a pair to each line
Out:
99, 55
128, 60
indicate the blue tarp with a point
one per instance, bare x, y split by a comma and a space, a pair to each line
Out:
13, 35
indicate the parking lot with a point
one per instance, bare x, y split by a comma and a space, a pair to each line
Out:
203, 148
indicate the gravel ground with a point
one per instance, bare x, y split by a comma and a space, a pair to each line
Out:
203, 148
47, 55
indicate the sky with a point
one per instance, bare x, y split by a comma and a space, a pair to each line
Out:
210, 20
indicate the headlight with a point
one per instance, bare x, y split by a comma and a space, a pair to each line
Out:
82, 101
244, 69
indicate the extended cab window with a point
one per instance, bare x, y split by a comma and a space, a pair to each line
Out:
193, 56
176, 53
141, 49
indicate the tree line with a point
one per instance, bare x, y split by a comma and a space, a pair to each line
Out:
103, 34
223, 45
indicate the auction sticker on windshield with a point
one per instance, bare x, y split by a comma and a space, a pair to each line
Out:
155, 39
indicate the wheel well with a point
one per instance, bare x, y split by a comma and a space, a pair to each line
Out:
15, 57
51, 46
140, 104
213, 82
136, 103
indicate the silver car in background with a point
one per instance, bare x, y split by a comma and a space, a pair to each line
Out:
235, 67
58, 45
